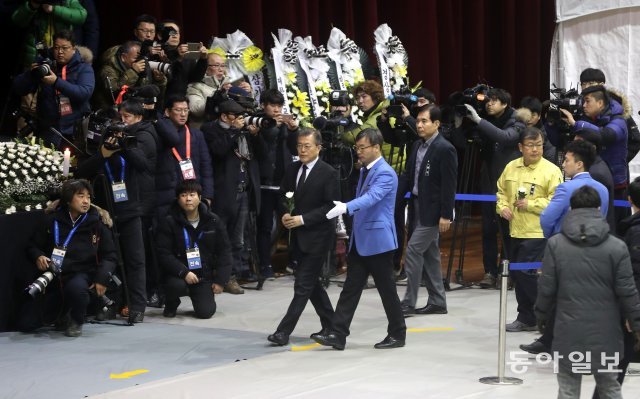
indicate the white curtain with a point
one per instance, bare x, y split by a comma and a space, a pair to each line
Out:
604, 35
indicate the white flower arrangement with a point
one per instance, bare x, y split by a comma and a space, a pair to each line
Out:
24, 178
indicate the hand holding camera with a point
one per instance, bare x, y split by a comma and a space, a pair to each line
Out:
42, 263
472, 114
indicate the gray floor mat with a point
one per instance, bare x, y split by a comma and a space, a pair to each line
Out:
78, 367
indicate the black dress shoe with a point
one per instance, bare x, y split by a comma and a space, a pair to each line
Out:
332, 340
408, 311
279, 338
535, 348
432, 309
324, 331
136, 317
389, 342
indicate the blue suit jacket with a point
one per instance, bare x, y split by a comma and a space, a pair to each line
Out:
553, 215
373, 227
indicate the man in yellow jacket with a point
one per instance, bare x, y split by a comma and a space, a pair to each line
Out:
525, 188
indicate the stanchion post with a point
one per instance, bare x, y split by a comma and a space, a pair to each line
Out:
502, 336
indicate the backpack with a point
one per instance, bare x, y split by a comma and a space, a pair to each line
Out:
633, 139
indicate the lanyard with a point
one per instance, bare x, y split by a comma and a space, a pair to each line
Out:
107, 168
56, 232
64, 76
187, 239
175, 152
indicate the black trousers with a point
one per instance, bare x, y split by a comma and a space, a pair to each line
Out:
490, 230
69, 295
526, 281
132, 247
399, 219
307, 287
201, 294
380, 266
268, 205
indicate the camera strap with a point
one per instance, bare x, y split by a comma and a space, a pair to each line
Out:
186, 166
118, 188
57, 256
193, 254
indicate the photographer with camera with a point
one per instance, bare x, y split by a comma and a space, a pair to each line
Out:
43, 19
194, 251
183, 70
215, 79
125, 68
279, 143
75, 251
236, 177
127, 158
498, 132
64, 85
606, 115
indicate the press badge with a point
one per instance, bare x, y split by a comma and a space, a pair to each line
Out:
188, 173
193, 259
57, 256
65, 106
119, 192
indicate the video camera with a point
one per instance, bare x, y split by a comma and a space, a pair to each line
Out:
398, 99
104, 124
251, 117
337, 98
569, 100
45, 64
475, 96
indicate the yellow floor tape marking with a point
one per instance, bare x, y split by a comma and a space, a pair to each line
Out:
304, 348
127, 374
430, 329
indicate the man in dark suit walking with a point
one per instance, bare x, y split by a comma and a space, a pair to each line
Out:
373, 241
315, 187
430, 176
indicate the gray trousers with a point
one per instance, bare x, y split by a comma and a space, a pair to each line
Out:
423, 254
569, 383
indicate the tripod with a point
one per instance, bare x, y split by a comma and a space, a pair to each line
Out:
463, 213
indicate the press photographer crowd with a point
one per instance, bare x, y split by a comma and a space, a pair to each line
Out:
192, 162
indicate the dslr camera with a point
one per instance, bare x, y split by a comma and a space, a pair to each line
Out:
38, 286
45, 64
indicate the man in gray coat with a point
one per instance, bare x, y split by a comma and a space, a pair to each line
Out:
587, 274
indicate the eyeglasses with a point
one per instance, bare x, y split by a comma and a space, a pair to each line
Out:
180, 110
64, 49
305, 147
532, 146
147, 31
360, 148
217, 65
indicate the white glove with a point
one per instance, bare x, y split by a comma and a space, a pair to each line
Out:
338, 209
473, 114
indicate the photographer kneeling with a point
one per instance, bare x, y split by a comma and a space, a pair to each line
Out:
194, 250
76, 252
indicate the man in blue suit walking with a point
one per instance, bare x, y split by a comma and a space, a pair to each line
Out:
373, 241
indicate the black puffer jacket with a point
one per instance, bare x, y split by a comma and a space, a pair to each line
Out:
629, 230
587, 274
91, 249
140, 166
215, 253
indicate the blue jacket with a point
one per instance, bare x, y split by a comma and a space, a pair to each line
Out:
373, 226
553, 215
613, 128
78, 87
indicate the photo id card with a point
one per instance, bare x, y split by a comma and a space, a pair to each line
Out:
119, 192
193, 259
186, 167
57, 256
65, 106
